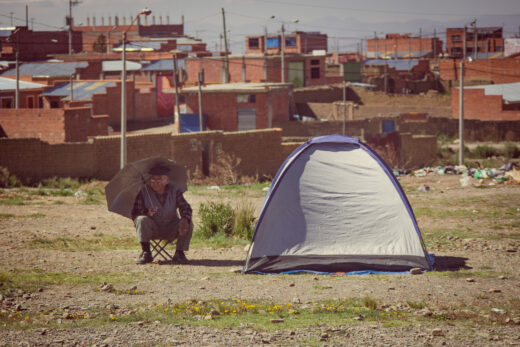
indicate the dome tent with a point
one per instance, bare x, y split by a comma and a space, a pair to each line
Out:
335, 206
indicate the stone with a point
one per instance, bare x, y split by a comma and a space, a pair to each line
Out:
416, 271
295, 300
469, 279
498, 310
292, 284
276, 320
437, 332
495, 290
214, 312
502, 277
108, 341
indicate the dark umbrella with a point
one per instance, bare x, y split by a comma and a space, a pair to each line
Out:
122, 190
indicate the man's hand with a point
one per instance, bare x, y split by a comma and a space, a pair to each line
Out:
184, 226
152, 211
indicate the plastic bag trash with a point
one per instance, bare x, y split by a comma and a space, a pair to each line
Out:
464, 181
449, 170
214, 188
79, 193
461, 169
419, 173
480, 173
441, 170
424, 188
265, 189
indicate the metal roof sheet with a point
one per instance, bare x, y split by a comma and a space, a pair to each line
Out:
401, 54
240, 87
46, 69
398, 64
510, 92
82, 90
141, 46
117, 65
10, 84
163, 64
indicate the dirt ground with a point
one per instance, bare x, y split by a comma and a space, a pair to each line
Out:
472, 298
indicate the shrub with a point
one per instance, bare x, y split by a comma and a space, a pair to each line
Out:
61, 183
511, 150
244, 225
216, 218
485, 151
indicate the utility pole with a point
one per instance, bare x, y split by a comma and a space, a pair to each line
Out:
386, 78
420, 43
265, 39
70, 27
464, 44
344, 105
71, 85
17, 93
177, 109
27, 16
435, 44
282, 45
201, 81
461, 113
376, 48
123, 105
475, 34
226, 58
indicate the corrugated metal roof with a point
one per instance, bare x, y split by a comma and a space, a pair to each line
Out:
46, 69
146, 46
402, 54
5, 32
399, 65
510, 92
82, 90
117, 65
163, 65
10, 84
240, 87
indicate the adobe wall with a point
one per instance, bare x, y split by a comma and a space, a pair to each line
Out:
417, 151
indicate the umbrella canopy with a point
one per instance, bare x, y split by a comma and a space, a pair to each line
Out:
122, 190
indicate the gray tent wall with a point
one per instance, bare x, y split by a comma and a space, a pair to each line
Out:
335, 206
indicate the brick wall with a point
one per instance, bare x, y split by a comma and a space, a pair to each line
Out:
497, 71
23, 98
477, 105
52, 125
221, 109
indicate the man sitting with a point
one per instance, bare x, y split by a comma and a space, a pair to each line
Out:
155, 216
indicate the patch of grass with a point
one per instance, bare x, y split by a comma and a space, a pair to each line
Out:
34, 215
94, 196
219, 240
99, 241
61, 183
321, 287
416, 304
484, 151
6, 216
244, 221
216, 218
511, 150
16, 200
31, 279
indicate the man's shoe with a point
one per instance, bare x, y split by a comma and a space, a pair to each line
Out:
180, 258
145, 258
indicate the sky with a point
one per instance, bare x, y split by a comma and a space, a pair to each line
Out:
346, 22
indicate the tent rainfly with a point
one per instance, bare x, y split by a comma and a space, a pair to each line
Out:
335, 206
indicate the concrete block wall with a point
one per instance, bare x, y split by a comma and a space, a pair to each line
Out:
67, 160
22, 157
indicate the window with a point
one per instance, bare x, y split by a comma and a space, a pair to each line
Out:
273, 42
315, 62
455, 38
7, 102
456, 50
30, 102
246, 98
315, 72
254, 43
290, 42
